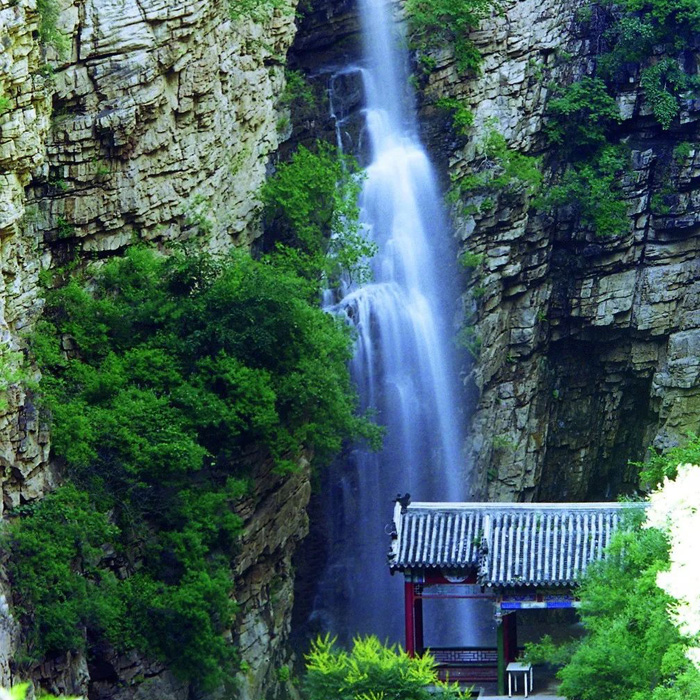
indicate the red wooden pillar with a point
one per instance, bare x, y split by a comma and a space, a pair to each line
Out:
510, 638
418, 607
409, 617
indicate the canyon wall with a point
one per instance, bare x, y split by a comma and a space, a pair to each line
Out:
155, 121
586, 348
158, 123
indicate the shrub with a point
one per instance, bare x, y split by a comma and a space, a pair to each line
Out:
624, 612
462, 118
625, 616
311, 206
591, 191
501, 169
371, 670
297, 91
468, 338
5, 103
682, 152
49, 34
635, 37
471, 260
663, 82
514, 171
631, 40
661, 465
583, 116
54, 538
13, 371
257, 10
674, 16
160, 379
436, 22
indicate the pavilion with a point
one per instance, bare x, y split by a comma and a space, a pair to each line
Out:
519, 556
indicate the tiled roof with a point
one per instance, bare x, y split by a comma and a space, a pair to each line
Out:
507, 544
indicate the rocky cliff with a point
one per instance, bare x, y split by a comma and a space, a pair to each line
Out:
585, 347
157, 122
130, 121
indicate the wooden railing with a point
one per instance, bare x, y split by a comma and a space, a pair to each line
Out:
466, 665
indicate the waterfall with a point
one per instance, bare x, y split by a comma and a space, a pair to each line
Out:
403, 363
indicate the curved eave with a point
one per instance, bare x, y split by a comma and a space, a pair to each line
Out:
444, 566
529, 584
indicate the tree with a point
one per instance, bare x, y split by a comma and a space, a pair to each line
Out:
675, 511
640, 606
161, 378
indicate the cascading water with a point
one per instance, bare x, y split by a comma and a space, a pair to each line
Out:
403, 366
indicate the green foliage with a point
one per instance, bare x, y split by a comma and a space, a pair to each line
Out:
161, 380
683, 151
21, 691
662, 201
49, 34
371, 670
501, 170
471, 260
462, 118
13, 371
645, 28
662, 83
5, 103
257, 10
591, 192
632, 651
54, 535
631, 39
64, 229
297, 91
436, 22
221, 353
583, 116
677, 16
584, 14
311, 205
503, 442
661, 465
546, 651
468, 338
582, 120
515, 172
197, 213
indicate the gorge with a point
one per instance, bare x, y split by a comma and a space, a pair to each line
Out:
160, 122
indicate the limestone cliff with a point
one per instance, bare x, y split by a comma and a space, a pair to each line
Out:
588, 346
156, 122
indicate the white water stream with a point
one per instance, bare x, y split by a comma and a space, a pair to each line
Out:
403, 364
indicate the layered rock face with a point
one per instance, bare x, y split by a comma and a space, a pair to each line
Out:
586, 347
24, 127
161, 129
157, 122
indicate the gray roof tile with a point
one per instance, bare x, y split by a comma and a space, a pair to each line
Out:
507, 544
